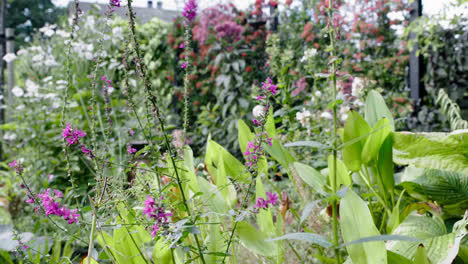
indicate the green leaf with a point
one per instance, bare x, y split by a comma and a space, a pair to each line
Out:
380, 238
264, 217
244, 134
385, 165
356, 223
444, 187
375, 109
342, 175
279, 153
85, 261
162, 253
212, 197
355, 127
255, 241
214, 240
441, 247
309, 175
440, 151
375, 140
420, 257
394, 258
270, 124
306, 237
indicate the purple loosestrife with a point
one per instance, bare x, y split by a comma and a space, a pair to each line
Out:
131, 150
114, 3
18, 167
157, 213
261, 203
183, 65
190, 10
72, 136
268, 86
254, 150
51, 205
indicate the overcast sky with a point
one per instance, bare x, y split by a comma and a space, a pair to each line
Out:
429, 6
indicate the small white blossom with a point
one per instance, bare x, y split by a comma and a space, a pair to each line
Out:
318, 94
258, 111
9, 57
17, 91
326, 115
357, 87
303, 117
309, 53
32, 88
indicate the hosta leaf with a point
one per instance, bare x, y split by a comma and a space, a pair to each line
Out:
312, 144
376, 109
279, 153
440, 151
255, 241
244, 134
445, 187
355, 127
441, 247
356, 223
421, 255
312, 177
162, 253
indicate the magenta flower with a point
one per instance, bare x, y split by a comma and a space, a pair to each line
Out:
261, 203
87, 151
270, 87
190, 10
114, 3
131, 132
229, 31
272, 198
156, 213
72, 136
12, 164
52, 207
256, 122
131, 150
183, 65
181, 46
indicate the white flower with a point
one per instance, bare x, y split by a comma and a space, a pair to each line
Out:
47, 79
9, 57
32, 88
133, 82
326, 115
17, 91
357, 87
318, 94
303, 117
20, 107
21, 52
258, 111
309, 53
62, 33
9, 136
341, 96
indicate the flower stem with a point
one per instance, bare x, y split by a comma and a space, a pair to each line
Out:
335, 128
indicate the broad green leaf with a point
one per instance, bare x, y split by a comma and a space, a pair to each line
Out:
264, 217
220, 157
244, 134
380, 238
342, 175
255, 241
375, 140
128, 244
212, 197
162, 253
306, 237
214, 240
309, 175
375, 109
420, 257
92, 261
270, 124
440, 151
189, 171
279, 153
356, 222
394, 258
385, 165
355, 127
442, 247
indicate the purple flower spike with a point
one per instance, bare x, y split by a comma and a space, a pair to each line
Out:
272, 198
190, 10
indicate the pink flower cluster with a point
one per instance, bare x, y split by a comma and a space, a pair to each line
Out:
72, 136
131, 150
229, 31
272, 199
267, 87
254, 150
190, 10
157, 213
114, 3
211, 18
18, 167
53, 207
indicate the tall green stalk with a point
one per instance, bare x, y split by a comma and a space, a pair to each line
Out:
331, 31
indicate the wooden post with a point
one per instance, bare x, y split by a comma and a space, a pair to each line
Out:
10, 48
416, 62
